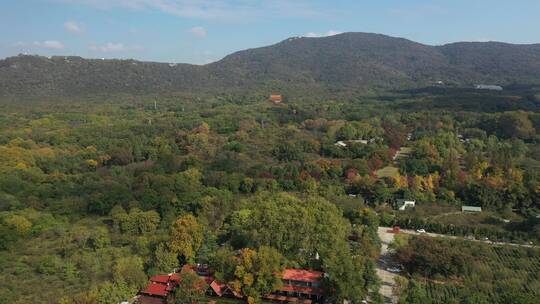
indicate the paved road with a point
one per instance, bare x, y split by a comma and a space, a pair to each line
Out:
385, 261
407, 231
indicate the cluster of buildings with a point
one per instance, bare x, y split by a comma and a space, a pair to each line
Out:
299, 286
159, 290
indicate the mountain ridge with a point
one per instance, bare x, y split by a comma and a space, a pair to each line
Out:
345, 62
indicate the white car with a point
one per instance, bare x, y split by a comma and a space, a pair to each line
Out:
421, 230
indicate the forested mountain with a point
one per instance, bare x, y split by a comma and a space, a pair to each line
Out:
345, 62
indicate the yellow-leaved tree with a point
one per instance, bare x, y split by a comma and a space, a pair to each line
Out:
186, 236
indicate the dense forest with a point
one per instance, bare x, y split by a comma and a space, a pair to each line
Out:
96, 195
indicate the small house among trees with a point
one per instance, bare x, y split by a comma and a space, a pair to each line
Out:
299, 284
276, 99
403, 204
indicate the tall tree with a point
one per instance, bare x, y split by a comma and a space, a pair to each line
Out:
255, 272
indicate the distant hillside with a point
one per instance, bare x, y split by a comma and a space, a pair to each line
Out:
348, 62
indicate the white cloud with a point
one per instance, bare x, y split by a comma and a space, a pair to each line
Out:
240, 9
317, 35
73, 27
111, 47
198, 31
49, 44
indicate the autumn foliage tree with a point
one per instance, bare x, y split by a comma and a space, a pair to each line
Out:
186, 237
254, 272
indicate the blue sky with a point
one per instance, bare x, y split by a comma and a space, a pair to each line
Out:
201, 31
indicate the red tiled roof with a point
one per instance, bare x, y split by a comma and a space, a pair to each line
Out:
302, 275
222, 288
166, 278
301, 289
276, 97
162, 279
156, 289
217, 288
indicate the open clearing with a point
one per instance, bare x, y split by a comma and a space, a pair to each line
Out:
388, 171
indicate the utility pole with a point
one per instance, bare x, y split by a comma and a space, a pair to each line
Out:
155, 105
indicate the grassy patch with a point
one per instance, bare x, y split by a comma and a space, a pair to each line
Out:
388, 171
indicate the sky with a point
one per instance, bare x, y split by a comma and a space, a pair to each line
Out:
203, 31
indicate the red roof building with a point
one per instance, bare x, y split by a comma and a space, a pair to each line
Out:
301, 284
156, 289
159, 289
276, 98
160, 279
217, 288
302, 275
223, 290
